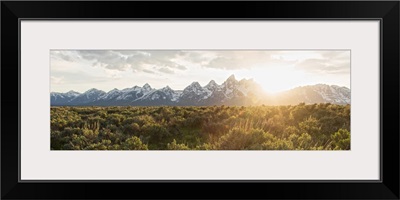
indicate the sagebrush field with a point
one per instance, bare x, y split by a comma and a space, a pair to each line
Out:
299, 127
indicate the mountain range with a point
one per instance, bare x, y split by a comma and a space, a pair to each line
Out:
230, 92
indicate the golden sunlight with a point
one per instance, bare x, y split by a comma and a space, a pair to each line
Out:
278, 79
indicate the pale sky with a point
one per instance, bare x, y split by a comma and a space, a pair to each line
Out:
275, 71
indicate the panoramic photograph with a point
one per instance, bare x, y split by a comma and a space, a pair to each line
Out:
200, 99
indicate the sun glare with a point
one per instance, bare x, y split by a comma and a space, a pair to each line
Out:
278, 79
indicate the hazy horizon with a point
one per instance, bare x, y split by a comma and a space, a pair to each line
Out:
275, 71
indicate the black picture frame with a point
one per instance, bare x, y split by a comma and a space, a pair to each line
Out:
386, 11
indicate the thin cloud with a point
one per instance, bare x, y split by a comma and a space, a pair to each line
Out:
81, 68
233, 60
57, 80
77, 77
128, 60
62, 55
166, 70
330, 62
166, 61
148, 71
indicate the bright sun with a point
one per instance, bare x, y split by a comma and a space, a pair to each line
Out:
277, 79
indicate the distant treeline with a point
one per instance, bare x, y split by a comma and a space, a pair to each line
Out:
299, 127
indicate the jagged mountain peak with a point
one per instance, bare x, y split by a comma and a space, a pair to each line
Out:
147, 86
93, 90
195, 83
193, 93
72, 92
212, 82
231, 92
134, 88
211, 85
231, 78
166, 88
194, 86
230, 83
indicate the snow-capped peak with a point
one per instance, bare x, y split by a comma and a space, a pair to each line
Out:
195, 86
93, 90
333, 93
111, 94
194, 89
230, 82
211, 87
134, 88
230, 92
72, 92
211, 84
146, 87
166, 88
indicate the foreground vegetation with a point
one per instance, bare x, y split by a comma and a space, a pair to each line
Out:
300, 127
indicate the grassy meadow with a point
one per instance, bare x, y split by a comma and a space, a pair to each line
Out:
296, 127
